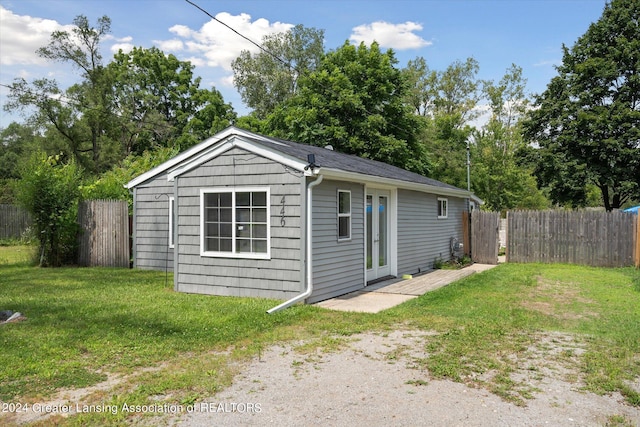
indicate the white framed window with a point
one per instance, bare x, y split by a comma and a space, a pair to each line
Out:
172, 221
443, 208
344, 215
234, 223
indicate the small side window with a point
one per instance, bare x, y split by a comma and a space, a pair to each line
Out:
344, 215
443, 207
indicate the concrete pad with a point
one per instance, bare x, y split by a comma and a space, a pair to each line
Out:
392, 292
480, 267
365, 302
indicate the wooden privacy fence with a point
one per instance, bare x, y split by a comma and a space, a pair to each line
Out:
13, 221
484, 236
104, 233
601, 239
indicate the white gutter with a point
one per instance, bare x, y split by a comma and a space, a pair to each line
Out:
309, 219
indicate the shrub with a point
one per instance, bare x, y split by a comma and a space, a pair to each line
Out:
48, 189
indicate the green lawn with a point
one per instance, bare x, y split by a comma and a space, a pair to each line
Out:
84, 324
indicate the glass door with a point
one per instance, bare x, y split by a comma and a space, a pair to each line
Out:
378, 242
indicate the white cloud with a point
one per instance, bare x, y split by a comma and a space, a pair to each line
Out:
227, 81
27, 35
173, 45
218, 45
395, 36
124, 44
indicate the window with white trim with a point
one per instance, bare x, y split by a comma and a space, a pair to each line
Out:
172, 221
235, 222
344, 215
443, 207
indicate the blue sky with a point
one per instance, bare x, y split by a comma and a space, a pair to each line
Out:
497, 33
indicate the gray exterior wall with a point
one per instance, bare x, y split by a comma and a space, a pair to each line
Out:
338, 266
151, 225
422, 237
279, 277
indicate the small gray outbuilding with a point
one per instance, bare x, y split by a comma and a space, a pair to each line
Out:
247, 215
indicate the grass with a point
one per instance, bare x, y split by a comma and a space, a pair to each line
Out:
87, 325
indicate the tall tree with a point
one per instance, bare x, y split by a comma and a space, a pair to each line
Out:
447, 101
587, 121
268, 78
140, 100
498, 176
81, 114
158, 102
355, 102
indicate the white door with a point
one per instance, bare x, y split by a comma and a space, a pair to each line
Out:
378, 241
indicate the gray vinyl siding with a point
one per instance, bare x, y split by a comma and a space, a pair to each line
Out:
151, 242
278, 277
422, 236
338, 266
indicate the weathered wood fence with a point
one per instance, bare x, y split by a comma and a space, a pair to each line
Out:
602, 239
104, 233
14, 221
484, 236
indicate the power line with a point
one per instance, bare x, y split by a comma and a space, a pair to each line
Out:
258, 45
285, 63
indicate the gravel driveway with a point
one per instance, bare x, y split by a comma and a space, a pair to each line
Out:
373, 382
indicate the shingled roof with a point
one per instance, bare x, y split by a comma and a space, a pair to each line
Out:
327, 158
361, 169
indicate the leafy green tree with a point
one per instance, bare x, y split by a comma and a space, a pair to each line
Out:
159, 102
423, 87
81, 114
266, 80
16, 142
447, 101
355, 102
141, 100
48, 189
587, 121
498, 177
111, 184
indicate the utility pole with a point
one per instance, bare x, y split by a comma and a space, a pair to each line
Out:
468, 166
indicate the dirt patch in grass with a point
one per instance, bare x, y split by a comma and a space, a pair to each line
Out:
557, 299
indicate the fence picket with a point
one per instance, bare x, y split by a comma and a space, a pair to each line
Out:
604, 239
104, 237
14, 221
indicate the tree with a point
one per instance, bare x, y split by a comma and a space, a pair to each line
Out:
140, 100
81, 114
355, 102
587, 121
267, 79
446, 100
159, 102
498, 176
49, 190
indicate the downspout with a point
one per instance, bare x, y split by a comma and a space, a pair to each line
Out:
309, 219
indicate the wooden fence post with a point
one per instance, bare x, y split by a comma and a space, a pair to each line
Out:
466, 232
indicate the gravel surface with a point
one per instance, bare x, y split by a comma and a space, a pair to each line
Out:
373, 381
